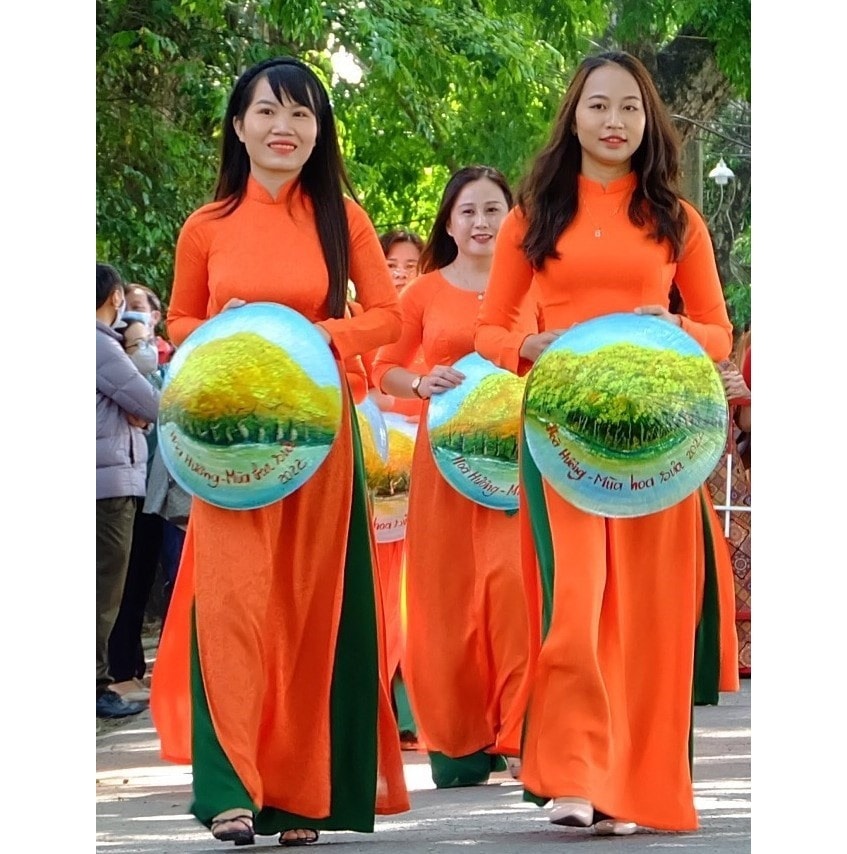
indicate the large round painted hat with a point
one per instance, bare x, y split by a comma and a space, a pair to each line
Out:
474, 433
625, 415
389, 480
374, 433
250, 406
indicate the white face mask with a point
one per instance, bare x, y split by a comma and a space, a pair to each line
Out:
145, 357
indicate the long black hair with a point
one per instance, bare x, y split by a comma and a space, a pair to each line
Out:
108, 280
323, 177
548, 195
440, 249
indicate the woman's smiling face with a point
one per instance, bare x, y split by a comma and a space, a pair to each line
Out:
609, 121
279, 135
476, 217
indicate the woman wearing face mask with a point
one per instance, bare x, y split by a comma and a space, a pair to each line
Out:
127, 662
269, 677
140, 345
143, 299
467, 638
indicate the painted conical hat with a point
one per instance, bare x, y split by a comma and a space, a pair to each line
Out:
389, 481
250, 407
474, 433
625, 415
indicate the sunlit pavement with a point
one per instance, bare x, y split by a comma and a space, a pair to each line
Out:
142, 802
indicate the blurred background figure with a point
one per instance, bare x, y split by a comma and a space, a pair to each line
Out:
402, 253
402, 250
143, 299
127, 662
730, 489
169, 503
742, 413
126, 404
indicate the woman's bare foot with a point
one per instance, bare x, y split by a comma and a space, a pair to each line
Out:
300, 836
235, 825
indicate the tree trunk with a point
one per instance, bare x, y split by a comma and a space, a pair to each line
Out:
690, 82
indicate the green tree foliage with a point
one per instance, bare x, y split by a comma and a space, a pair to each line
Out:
443, 83
160, 95
727, 208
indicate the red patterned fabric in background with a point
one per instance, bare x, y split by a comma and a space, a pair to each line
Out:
732, 469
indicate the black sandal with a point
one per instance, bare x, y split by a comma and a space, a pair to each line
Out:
299, 840
243, 835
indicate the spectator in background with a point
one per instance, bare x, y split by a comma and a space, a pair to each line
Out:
126, 404
127, 663
144, 299
402, 251
743, 410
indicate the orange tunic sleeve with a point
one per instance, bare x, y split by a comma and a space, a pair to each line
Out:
499, 333
402, 352
375, 292
402, 405
189, 305
697, 278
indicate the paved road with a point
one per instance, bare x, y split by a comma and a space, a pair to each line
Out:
142, 803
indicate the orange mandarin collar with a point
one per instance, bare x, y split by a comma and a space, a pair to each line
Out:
595, 188
257, 193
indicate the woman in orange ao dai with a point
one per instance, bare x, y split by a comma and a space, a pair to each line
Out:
402, 250
270, 678
467, 636
599, 228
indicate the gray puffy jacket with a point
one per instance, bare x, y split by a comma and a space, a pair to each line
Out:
121, 389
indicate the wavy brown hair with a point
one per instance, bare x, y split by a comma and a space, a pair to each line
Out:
549, 193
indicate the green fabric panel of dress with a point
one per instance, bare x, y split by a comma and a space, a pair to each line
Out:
355, 684
471, 770
353, 703
707, 644
533, 489
405, 718
217, 787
